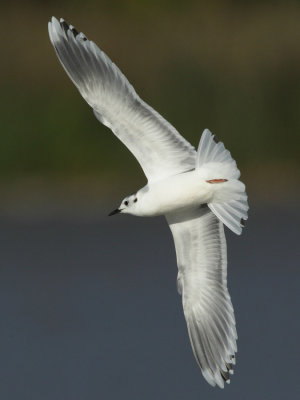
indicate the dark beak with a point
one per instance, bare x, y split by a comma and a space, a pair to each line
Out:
117, 211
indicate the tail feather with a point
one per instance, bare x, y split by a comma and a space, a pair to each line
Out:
229, 202
230, 216
212, 153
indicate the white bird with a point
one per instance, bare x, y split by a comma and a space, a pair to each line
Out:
197, 191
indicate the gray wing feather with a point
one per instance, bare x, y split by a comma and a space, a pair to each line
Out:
158, 147
202, 278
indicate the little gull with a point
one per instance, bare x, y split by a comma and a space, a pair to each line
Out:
197, 191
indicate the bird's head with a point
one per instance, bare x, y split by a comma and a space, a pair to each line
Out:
129, 205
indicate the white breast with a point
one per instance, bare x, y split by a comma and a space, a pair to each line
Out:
175, 193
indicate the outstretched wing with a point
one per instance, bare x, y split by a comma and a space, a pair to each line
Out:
202, 280
158, 147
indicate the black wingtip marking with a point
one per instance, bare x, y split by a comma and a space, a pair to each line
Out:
243, 222
65, 26
215, 139
225, 375
229, 366
75, 32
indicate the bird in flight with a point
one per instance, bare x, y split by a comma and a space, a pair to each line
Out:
198, 192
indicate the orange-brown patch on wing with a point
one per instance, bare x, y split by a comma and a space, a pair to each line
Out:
217, 180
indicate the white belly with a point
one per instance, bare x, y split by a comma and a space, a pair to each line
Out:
176, 193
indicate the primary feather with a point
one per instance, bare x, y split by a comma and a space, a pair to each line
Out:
202, 280
158, 147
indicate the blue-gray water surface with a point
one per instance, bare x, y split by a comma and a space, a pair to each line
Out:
89, 310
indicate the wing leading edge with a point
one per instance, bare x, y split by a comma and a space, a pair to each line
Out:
202, 280
156, 144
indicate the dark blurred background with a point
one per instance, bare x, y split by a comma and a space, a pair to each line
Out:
89, 306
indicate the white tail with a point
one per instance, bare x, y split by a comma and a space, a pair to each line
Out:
230, 200
213, 152
233, 214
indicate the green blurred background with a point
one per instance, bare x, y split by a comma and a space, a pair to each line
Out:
230, 66
88, 304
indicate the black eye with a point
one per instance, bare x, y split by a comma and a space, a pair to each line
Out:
126, 203
135, 200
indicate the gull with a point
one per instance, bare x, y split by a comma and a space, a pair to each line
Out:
197, 191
